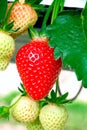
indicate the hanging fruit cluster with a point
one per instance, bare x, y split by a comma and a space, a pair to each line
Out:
40, 61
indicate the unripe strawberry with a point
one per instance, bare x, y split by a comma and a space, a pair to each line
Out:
23, 16
53, 117
7, 47
25, 110
35, 125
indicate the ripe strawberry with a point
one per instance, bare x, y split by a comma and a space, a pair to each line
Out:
7, 48
35, 125
23, 16
37, 67
25, 110
53, 117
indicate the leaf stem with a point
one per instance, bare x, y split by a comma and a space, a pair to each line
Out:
62, 5
56, 7
47, 15
55, 10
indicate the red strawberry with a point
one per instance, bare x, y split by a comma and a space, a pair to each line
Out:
37, 67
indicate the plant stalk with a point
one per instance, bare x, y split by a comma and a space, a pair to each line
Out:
49, 10
56, 8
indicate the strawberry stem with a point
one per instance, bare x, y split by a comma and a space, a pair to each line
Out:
62, 5
32, 33
56, 89
56, 7
47, 15
15, 102
22, 90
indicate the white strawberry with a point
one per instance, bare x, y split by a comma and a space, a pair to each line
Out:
25, 110
7, 47
35, 125
53, 117
23, 16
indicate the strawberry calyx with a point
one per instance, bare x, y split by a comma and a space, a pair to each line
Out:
22, 90
4, 32
52, 98
37, 36
41, 39
4, 25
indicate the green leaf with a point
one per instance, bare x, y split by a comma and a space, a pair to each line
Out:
3, 8
4, 112
9, 26
69, 41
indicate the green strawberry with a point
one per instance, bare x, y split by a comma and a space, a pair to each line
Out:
25, 110
7, 47
36, 125
53, 117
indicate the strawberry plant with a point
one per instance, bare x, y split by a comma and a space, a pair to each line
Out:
61, 43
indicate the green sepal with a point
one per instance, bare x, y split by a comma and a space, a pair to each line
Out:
53, 98
7, 16
22, 89
9, 26
4, 112
42, 103
32, 32
58, 99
